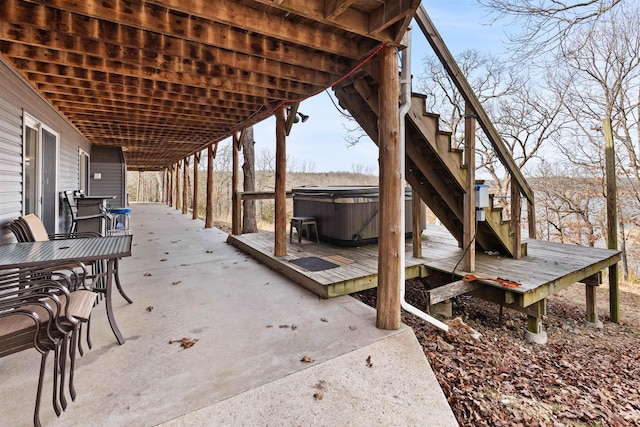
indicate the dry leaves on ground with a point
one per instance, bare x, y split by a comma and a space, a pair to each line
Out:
581, 377
185, 342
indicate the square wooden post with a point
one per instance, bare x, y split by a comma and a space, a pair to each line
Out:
185, 186
612, 218
391, 189
416, 232
469, 200
177, 181
170, 186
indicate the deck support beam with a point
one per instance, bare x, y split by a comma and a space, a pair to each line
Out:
391, 189
177, 180
211, 155
280, 244
185, 186
170, 185
469, 201
416, 215
236, 218
196, 164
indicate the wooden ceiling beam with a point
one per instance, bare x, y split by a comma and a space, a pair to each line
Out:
177, 54
91, 104
335, 8
151, 98
230, 80
188, 18
388, 14
350, 19
147, 87
209, 36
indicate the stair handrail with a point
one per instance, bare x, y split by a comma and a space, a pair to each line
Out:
451, 66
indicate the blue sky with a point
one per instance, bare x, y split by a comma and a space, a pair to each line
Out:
320, 143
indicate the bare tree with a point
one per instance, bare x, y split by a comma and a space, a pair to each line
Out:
547, 24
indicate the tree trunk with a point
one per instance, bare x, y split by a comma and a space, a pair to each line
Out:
249, 224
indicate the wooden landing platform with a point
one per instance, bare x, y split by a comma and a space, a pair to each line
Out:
548, 267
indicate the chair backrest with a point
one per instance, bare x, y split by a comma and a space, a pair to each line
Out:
71, 203
34, 225
18, 230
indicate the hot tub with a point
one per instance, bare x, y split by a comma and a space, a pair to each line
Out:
347, 215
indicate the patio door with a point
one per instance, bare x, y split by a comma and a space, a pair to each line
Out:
40, 178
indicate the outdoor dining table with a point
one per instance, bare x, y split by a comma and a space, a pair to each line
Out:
29, 254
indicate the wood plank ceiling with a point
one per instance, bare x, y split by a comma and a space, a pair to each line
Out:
165, 78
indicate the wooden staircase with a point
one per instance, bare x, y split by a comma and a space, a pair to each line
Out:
433, 168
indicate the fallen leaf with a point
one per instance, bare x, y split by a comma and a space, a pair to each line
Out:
269, 326
324, 319
185, 342
306, 359
353, 328
283, 326
163, 259
319, 395
176, 282
294, 327
369, 364
150, 308
209, 252
147, 274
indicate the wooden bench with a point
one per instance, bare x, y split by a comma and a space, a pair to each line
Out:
307, 223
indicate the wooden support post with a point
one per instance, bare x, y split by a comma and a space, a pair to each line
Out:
280, 244
236, 217
391, 190
196, 164
211, 155
170, 186
612, 219
534, 323
516, 230
178, 165
531, 218
469, 200
416, 232
185, 186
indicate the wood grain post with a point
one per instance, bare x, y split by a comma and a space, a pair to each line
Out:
177, 180
416, 215
236, 218
280, 244
531, 218
185, 186
196, 164
516, 230
469, 200
612, 219
391, 189
170, 186
208, 221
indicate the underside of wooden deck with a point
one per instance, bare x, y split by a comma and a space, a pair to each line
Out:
548, 267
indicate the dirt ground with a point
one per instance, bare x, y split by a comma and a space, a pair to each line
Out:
583, 376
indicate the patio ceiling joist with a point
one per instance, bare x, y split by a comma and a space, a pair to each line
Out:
147, 74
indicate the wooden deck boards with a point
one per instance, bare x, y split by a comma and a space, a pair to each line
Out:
548, 268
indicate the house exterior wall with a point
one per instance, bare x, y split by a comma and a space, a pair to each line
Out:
16, 98
109, 163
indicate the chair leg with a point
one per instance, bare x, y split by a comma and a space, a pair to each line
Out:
75, 339
56, 406
62, 360
117, 277
36, 412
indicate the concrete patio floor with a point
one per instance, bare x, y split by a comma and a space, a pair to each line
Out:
246, 368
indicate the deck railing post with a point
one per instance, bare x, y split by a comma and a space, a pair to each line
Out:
516, 212
612, 218
469, 200
391, 189
416, 215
